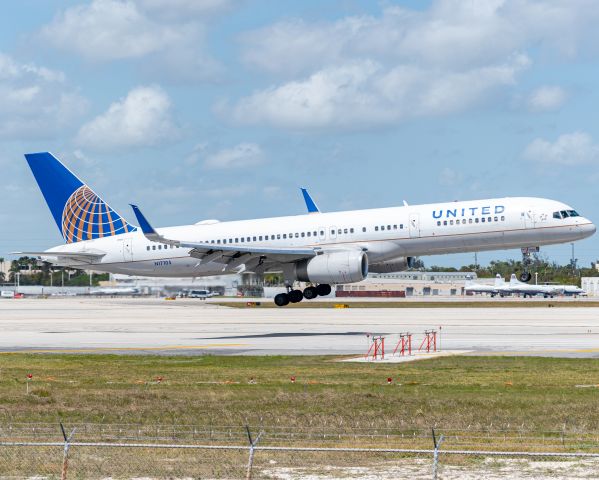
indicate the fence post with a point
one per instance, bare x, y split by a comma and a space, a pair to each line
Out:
437, 445
253, 444
65, 452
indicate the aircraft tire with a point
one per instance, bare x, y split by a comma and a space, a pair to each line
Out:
525, 277
310, 293
295, 296
281, 299
323, 289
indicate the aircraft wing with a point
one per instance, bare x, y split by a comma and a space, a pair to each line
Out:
231, 255
84, 257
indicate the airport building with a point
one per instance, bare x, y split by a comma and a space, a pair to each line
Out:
590, 285
408, 284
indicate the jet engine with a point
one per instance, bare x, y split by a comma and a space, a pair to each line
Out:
333, 267
398, 264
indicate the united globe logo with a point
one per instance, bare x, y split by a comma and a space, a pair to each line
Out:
86, 216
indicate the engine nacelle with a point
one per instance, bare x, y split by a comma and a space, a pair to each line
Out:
333, 267
395, 265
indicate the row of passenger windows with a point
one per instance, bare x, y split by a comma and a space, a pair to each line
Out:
160, 247
565, 214
471, 220
284, 236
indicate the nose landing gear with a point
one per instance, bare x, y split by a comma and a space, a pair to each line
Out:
295, 296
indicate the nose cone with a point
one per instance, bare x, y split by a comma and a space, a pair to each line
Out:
587, 228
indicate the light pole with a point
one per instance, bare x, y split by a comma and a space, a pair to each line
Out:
536, 278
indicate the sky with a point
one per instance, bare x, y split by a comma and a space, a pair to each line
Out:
200, 109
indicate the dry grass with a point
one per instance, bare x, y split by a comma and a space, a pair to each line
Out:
531, 394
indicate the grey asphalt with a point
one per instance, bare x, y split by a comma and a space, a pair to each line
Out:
185, 326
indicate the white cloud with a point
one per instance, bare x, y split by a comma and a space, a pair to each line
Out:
569, 149
142, 118
439, 60
448, 177
106, 30
546, 98
366, 94
176, 9
36, 101
240, 156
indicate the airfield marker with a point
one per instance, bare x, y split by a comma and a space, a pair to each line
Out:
29, 378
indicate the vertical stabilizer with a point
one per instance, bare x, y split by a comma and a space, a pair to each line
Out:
78, 211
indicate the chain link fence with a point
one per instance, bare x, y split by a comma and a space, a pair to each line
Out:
90, 451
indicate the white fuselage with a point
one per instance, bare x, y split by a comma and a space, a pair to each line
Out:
384, 233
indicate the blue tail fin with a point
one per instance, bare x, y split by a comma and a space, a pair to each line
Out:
79, 213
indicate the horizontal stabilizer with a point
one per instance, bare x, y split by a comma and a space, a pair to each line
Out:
85, 257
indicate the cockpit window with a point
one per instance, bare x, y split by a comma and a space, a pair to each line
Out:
565, 214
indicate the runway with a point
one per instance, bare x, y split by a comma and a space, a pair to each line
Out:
185, 326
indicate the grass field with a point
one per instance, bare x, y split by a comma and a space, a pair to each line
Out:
528, 393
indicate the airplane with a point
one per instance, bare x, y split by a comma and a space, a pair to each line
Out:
498, 288
114, 291
323, 250
527, 290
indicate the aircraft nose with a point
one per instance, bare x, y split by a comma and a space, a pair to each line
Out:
588, 228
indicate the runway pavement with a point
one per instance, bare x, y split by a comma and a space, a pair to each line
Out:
186, 326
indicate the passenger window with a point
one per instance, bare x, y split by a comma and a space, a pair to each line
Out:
321, 233
303, 234
364, 229
278, 236
476, 220
315, 234
451, 222
332, 232
236, 240
502, 218
272, 237
296, 235
376, 229
388, 227
345, 231
394, 227
254, 238
469, 220
401, 226
242, 240
438, 223
496, 219
248, 239
482, 220
489, 219
445, 222
309, 234
284, 235
351, 230
159, 247
148, 247
153, 247
339, 232
218, 241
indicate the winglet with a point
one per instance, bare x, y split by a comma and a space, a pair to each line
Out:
310, 205
146, 228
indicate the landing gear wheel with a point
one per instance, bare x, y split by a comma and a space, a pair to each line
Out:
281, 299
310, 293
525, 277
295, 296
323, 289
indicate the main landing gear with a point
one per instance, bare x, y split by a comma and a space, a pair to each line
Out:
527, 252
295, 296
